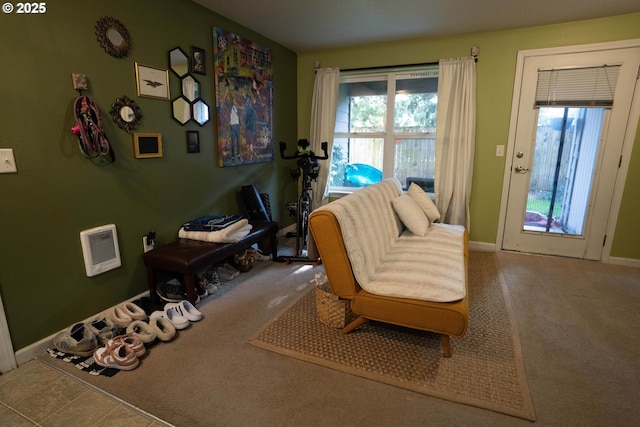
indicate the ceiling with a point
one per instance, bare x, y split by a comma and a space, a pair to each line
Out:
305, 25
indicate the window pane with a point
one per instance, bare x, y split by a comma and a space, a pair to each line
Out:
415, 161
564, 160
416, 101
356, 162
362, 107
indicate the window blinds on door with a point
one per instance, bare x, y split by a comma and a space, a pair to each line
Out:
577, 87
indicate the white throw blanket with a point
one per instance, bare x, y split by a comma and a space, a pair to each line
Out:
230, 234
389, 262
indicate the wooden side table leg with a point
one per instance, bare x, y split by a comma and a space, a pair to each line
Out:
190, 287
151, 281
274, 246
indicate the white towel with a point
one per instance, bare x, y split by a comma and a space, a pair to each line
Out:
231, 234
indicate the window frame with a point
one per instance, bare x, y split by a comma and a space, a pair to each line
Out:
389, 135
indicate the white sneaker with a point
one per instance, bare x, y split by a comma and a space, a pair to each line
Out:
231, 269
171, 314
224, 275
185, 309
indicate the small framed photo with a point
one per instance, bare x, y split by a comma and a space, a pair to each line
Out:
146, 145
198, 62
152, 82
193, 141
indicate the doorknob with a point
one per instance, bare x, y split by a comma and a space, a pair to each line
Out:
520, 169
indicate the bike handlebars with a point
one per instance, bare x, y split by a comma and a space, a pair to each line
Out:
310, 154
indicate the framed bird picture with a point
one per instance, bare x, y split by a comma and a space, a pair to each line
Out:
152, 82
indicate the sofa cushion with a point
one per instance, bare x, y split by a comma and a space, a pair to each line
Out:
428, 268
411, 215
424, 201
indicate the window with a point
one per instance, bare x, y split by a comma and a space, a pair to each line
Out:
385, 127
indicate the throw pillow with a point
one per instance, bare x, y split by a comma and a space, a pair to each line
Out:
424, 201
411, 215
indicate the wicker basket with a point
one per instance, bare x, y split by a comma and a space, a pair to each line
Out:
332, 310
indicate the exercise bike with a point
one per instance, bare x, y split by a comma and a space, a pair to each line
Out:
307, 167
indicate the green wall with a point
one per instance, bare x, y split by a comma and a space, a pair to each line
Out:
57, 192
495, 79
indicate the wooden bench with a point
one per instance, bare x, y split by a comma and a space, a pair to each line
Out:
189, 257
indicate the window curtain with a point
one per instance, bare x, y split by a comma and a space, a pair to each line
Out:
323, 122
455, 139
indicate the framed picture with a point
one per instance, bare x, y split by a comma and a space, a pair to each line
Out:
198, 63
193, 141
244, 99
146, 145
152, 82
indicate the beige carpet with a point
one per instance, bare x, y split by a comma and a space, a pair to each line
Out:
486, 369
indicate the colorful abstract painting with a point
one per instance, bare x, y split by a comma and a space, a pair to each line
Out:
244, 100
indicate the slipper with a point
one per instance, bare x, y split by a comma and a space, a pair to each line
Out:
164, 329
142, 330
133, 310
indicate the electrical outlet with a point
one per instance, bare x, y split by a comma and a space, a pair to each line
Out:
499, 150
145, 246
7, 161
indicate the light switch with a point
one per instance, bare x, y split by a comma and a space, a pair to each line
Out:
7, 161
499, 150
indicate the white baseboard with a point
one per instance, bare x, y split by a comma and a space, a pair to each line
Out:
31, 351
629, 262
482, 246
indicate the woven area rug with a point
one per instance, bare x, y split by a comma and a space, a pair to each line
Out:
486, 369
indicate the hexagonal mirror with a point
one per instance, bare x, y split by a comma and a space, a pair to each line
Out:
190, 88
181, 110
200, 112
178, 61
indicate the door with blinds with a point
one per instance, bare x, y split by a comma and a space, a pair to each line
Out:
571, 122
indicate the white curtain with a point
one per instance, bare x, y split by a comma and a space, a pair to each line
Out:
323, 121
455, 139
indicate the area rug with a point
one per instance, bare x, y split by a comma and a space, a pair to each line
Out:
84, 363
486, 369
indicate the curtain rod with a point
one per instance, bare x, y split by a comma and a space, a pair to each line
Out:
424, 64
383, 67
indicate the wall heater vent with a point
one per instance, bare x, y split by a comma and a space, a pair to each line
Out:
100, 249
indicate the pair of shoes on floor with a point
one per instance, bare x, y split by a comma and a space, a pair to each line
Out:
173, 291
158, 328
78, 339
244, 261
122, 352
258, 255
123, 314
211, 281
180, 314
103, 328
227, 272
201, 287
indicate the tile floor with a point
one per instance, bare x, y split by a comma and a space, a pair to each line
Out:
38, 395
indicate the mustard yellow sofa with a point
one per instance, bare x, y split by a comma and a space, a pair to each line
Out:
388, 273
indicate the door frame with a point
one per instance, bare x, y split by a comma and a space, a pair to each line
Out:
627, 145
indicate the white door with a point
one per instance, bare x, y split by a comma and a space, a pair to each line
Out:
567, 150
